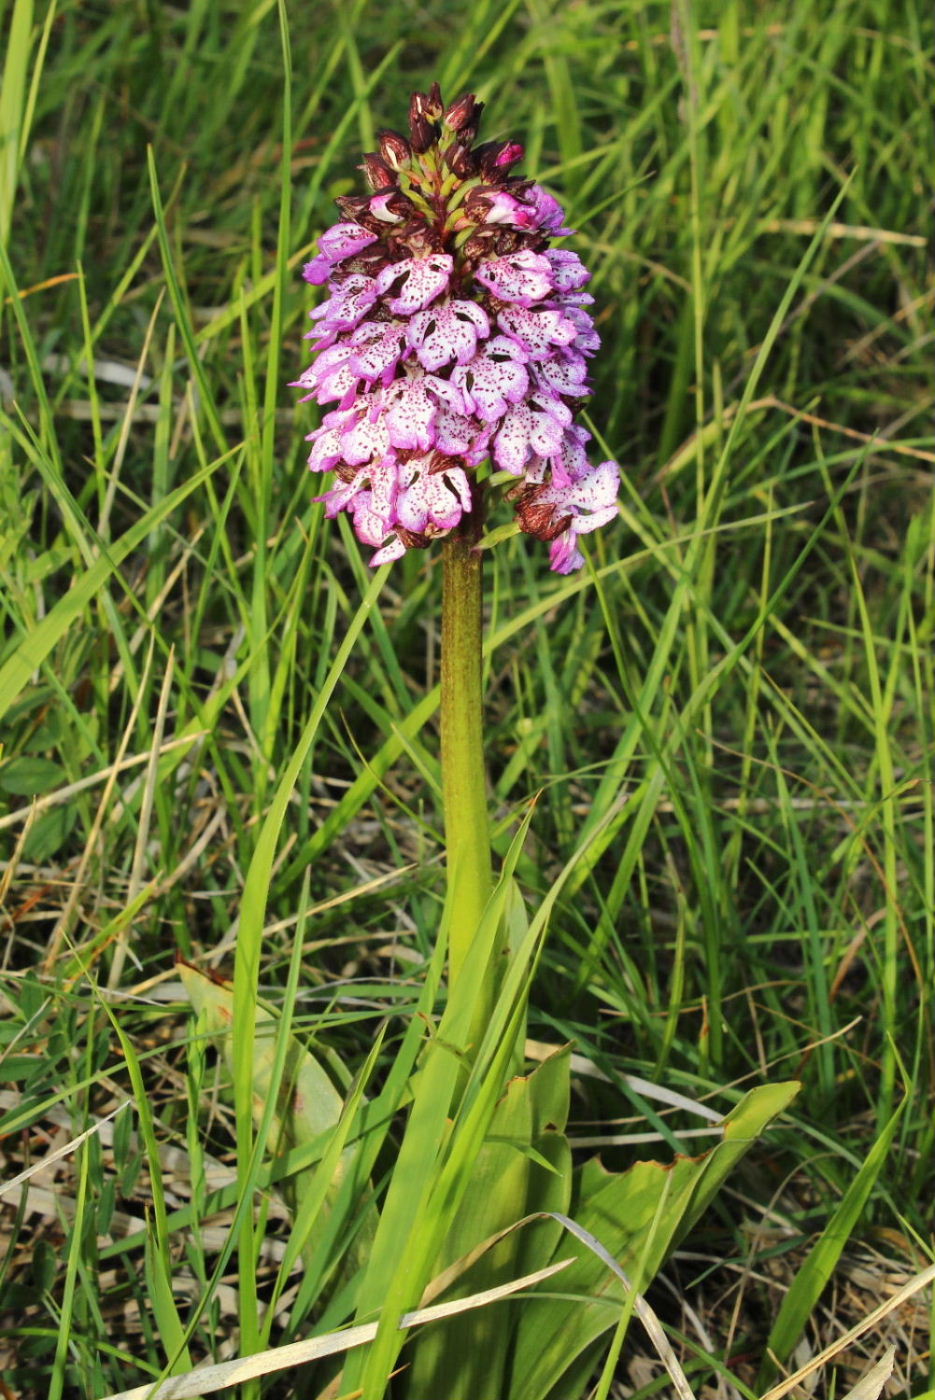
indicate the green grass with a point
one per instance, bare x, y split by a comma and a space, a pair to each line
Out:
229, 725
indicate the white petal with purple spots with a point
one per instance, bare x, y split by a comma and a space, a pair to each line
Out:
494, 379
511, 446
425, 279
331, 376
365, 440
377, 348
586, 339
537, 331
433, 502
524, 277
564, 374
328, 441
449, 332
410, 415
591, 502
344, 240
568, 271
453, 432
390, 552
349, 304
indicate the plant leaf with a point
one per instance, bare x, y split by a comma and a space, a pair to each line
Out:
309, 1106
620, 1210
810, 1281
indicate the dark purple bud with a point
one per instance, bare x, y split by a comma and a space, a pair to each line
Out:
425, 112
460, 159
432, 105
422, 133
464, 116
540, 518
479, 246
394, 149
496, 157
390, 206
352, 206
378, 174
511, 153
422, 240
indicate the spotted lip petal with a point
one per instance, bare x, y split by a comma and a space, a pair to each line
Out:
564, 375
532, 428
344, 240
425, 279
524, 277
377, 347
337, 243
569, 273
451, 331
539, 331
495, 378
578, 508
350, 303
331, 376
411, 407
365, 439
448, 333
433, 502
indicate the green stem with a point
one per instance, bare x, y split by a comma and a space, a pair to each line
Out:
464, 786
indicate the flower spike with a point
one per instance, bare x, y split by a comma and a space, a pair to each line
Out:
453, 332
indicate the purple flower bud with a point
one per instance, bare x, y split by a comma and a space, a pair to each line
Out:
464, 113
378, 173
428, 105
390, 207
496, 157
394, 149
497, 206
459, 159
424, 115
353, 206
422, 133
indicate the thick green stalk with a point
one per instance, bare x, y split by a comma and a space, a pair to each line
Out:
464, 785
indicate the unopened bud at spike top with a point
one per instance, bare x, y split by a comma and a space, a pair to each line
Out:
464, 116
378, 174
394, 149
454, 331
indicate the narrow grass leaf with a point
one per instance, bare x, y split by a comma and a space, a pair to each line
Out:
32, 650
811, 1279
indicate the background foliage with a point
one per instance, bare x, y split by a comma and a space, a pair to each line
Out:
749, 661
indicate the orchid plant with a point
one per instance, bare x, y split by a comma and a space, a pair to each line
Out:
454, 341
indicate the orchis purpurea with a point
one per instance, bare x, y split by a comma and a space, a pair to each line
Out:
453, 332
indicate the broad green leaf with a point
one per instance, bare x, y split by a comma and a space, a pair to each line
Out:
157, 1272
621, 1210
466, 1356
48, 834
30, 777
309, 1102
439, 1151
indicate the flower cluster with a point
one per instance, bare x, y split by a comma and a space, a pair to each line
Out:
453, 332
